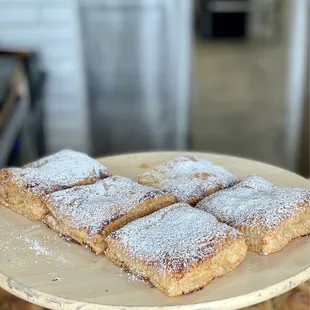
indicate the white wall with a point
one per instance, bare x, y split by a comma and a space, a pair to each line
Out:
52, 28
299, 36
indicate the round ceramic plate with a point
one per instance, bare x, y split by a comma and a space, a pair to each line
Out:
38, 266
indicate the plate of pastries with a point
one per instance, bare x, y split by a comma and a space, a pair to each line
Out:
168, 230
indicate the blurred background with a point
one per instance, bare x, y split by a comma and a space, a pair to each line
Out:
114, 76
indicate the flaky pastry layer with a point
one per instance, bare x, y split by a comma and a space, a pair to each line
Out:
24, 190
189, 178
88, 214
178, 249
268, 215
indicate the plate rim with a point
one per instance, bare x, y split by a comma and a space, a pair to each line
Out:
46, 300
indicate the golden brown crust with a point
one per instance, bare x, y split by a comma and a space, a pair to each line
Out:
19, 198
24, 189
178, 249
189, 178
198, 276
263, 242
88, 214
268, 215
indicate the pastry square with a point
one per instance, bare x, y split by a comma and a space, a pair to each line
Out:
189, 178
89, 213
269, 216
24, 189
178, 249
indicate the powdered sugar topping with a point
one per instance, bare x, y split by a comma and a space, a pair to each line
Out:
58, 171
174, 238
35, 244
255, 202
188, 177
20, 242
95, 206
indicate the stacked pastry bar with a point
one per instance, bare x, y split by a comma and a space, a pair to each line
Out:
268, 215
179, 249
189, 178
25, 189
